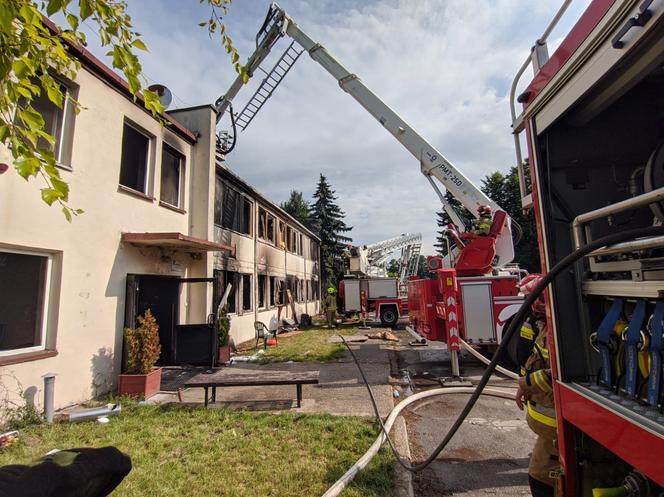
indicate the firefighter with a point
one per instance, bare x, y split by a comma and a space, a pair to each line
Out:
483, 224
330, 306
536, 393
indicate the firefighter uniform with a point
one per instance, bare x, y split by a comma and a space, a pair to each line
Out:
483, 225
536, 385
330, 305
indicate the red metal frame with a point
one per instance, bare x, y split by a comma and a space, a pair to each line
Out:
634, 444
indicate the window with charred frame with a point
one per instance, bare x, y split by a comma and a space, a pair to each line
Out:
232, 209
271, 221
24, 285
262, 223
172, 176
282, 235
262, 283
246, 293
232, 278
313, 248
135, 158
272, 290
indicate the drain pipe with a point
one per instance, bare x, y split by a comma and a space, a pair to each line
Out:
49, 395
339, 486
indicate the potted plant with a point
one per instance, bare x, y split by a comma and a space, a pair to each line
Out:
142, 346
223, 332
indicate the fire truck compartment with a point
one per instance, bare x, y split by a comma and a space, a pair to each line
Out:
606, 148
383, 288
478, 317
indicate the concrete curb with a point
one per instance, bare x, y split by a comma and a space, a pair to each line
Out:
403, 480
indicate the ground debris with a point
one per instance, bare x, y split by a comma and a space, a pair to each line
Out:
383, 335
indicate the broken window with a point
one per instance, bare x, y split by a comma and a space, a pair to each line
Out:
232, 278
270, 227
232, 209
289, 239
272, 290
172, 176
282, 235
246, 292
262, 281
262, 223
134, 159
24, 285
313, 248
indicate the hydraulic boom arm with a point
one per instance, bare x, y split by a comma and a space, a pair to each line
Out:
432, 162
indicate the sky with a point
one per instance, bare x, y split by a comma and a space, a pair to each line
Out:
444, 66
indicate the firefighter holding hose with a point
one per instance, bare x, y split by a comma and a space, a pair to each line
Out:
535, 392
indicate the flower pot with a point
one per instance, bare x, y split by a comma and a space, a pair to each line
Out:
140, 385
223, 353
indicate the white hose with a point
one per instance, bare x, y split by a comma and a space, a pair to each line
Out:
486, 361
362, 462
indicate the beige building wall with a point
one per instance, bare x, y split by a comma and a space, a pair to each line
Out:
90, 264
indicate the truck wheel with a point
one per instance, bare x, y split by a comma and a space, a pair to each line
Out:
389, 316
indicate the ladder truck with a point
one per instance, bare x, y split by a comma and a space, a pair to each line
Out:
366, 287
592, 122
475, 298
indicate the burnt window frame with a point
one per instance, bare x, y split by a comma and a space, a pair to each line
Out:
167, 147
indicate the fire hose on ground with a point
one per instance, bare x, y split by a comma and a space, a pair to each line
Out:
516, 322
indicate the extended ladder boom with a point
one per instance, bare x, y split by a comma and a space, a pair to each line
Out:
432, 163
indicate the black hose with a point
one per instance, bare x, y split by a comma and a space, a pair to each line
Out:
230, 149
518, 318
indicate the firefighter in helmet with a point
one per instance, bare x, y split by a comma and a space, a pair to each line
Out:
330, 306
483, 223
535, 392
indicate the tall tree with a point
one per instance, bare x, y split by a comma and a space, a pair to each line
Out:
327, 221
297, 207
393, 268
33, 50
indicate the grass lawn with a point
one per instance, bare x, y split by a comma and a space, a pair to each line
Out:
308, 346
179, 451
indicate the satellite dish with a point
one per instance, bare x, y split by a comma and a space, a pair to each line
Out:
165, 95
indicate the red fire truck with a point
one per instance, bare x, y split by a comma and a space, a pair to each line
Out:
593, 123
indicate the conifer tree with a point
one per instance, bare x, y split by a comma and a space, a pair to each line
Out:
327, 221
443, 219
297, 207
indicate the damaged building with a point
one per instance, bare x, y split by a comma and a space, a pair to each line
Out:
166, 226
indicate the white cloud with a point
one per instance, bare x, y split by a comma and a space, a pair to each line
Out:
444, 66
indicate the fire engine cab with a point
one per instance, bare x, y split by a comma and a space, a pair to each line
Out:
592, 120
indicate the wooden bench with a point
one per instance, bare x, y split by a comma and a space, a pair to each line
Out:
222, 378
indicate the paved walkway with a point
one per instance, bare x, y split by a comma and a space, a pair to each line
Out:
340, 391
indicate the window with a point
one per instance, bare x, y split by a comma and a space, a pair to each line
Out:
58, 122
246, 292
262, 281
290, 246
282, 235
231, 277
271, 221
313, 247
134, 161
232, 210
24, 285
262, 223
314, 289
172, 176
273, 290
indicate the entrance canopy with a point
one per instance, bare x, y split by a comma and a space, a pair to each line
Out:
176, 241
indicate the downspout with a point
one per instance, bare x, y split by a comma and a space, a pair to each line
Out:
256, 279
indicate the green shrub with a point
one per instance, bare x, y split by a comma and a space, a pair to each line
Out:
223, 325
142, 345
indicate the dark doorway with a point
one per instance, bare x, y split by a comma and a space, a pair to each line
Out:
183, 340
161, 295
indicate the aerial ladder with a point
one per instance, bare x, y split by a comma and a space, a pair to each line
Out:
369, 260
482, 282
479, 255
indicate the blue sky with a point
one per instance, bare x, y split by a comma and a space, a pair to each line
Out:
444, 66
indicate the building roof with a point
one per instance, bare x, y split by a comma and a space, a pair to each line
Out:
106, 74
221, 166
